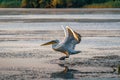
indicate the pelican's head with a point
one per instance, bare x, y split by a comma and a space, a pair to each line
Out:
51, 42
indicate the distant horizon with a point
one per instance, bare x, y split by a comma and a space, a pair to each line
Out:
60, 4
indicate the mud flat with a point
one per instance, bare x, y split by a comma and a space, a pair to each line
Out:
22, 57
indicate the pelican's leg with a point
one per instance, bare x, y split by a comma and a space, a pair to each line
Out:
67, 56
65, 70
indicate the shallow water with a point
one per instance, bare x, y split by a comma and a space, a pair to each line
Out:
57, 25
22, 57
63, 16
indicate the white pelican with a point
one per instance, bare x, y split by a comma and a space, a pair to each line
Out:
67, 46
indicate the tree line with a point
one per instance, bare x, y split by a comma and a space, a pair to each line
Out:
58, 3
50, 3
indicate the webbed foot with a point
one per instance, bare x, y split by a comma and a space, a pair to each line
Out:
63, 58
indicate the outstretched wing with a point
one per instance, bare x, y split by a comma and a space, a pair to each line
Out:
71, 39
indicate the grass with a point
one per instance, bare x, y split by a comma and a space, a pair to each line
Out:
10, 4
110, 4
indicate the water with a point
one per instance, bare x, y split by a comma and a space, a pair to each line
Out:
57, 25
62, 16
22, 57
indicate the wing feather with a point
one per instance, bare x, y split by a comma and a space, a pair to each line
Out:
71, 39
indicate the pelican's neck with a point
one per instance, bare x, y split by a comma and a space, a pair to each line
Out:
55, 44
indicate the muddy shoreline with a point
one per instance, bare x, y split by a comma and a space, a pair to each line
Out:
22, 31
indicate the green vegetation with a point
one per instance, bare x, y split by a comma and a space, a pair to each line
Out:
10, 3
109, 4
60, 3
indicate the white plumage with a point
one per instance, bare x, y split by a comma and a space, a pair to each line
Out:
67, 46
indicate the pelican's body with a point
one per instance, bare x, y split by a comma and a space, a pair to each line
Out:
68, 44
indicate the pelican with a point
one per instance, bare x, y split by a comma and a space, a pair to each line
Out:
67, 46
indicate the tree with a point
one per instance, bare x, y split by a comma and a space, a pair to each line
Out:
24, 3
44, 3
58, 3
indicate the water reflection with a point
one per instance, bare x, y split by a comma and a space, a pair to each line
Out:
65, 74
